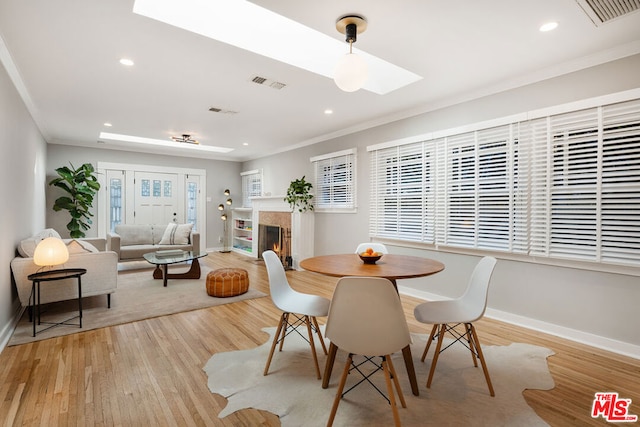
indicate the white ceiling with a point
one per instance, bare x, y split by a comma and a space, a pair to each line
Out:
63, 56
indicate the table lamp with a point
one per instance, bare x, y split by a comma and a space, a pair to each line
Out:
50, 252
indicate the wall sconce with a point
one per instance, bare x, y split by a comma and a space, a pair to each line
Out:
50, 252
351, 71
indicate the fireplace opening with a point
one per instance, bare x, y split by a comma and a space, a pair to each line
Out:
277, 239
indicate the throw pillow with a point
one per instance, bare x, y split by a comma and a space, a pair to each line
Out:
79, 247
176, 234
27, 247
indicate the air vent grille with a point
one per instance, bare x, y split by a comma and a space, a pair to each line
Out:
263, 81
602, 11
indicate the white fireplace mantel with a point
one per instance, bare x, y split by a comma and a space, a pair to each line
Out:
302, 226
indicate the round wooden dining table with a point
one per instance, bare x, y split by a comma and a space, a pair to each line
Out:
390, 266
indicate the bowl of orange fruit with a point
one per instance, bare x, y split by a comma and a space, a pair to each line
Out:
369, 256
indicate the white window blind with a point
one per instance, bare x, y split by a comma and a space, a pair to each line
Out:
402, 192
563, 186
334, 185
251, 186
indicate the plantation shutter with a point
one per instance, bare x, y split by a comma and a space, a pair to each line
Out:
335, 180
403, 192
563, 186
620, 211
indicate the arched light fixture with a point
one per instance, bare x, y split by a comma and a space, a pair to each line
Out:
51, 251
351, 71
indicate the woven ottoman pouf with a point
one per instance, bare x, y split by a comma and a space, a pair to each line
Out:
227, 282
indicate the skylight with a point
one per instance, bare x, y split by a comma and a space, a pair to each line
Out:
161, 142
271, 35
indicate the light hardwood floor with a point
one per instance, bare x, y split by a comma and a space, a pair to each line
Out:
150, 372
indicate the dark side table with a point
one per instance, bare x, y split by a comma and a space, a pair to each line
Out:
51, 276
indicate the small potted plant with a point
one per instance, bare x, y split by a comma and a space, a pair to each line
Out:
298, 195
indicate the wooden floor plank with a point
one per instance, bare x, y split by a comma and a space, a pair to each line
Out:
150, 372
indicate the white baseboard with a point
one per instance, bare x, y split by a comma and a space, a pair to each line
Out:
7, 331
619, 347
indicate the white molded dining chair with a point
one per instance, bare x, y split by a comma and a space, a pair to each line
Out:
304, 308
377, 247
366, 318
446, 315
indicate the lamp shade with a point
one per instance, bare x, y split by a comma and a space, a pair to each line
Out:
51, 251
351, 72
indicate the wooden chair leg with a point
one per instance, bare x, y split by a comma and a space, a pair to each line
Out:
392, 397
273, 345
470, 342
315, 322
443, 328
307, 321
392, 369
426, 348
285, 316
343, 380
482, 362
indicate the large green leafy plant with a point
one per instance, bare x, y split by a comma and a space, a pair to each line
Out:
81, 185
298, 195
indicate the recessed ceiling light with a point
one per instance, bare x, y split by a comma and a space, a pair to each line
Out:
107, 124
271, 35
548, 26
126, 61
161, 142
328, 111
245, 143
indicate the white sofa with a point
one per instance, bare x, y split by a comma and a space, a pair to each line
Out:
132, 241
101, 277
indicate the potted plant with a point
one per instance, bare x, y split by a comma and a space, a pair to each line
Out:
81, 184
298, 195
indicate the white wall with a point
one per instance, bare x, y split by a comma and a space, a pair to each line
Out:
598, 308
22, 173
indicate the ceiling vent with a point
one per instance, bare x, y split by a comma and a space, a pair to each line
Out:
263, 81
222, 111
603, 11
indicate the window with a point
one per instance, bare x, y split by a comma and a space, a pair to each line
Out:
251, 186
115, 203
402, 192
563, 186
335, 187
192, 204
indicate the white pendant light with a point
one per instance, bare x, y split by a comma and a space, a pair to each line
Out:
351, 71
